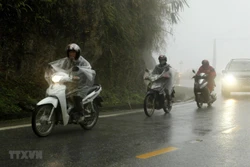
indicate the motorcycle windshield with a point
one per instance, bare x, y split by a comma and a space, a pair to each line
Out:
85, 74
162, 81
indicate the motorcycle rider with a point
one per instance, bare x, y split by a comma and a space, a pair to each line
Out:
211, 73
83, 75
159, 68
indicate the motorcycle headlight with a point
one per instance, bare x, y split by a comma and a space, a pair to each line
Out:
229, 79
56, 78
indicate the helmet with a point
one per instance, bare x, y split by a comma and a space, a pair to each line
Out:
205, 62
162, 59
73, 47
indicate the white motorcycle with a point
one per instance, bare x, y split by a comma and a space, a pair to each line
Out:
57, 107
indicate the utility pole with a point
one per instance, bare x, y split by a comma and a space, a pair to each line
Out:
214, 54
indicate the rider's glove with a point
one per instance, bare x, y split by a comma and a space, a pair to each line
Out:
76, 78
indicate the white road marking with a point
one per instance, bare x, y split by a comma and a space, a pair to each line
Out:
114, 115
15, 127
102, 116
177, 105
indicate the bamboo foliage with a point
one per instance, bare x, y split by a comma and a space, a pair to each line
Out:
117, 37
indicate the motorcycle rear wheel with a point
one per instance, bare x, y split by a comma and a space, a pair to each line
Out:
199, 100
91, 119
149, 105
41, 126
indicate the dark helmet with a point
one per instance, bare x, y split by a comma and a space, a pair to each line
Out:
162, 58
205, 62
73, 47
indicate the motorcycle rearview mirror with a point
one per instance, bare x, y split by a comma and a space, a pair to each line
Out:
193, 71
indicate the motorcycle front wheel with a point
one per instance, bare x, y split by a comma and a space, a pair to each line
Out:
41, 124
90, 118
149, 105
198, 100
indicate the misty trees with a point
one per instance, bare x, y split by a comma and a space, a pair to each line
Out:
117, 37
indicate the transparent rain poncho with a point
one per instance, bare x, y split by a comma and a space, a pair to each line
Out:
168, 83
85, 73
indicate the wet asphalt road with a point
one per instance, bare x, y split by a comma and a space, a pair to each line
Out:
216, 136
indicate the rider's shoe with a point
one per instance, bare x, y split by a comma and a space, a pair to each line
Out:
170, 102
81, 119
81, 116
212, 99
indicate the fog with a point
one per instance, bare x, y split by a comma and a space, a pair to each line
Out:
200, 24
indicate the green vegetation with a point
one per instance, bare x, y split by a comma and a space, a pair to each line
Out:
116, 37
